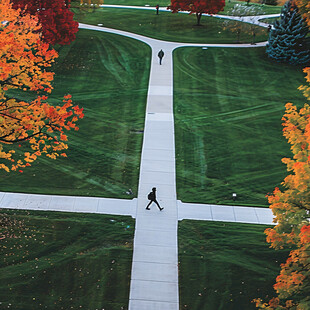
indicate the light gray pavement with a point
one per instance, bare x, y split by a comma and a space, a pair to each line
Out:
154, 277
68, 203
129, 207
238, 214
256, 20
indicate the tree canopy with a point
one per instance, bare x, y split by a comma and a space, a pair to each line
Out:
25, 63
288, 38
197, 6
55, 18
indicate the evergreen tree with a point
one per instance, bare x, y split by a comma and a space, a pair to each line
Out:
287, 39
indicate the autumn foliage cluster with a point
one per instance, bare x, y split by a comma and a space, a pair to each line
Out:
291, 208
25, 62
304, 8
55, 18
197, 7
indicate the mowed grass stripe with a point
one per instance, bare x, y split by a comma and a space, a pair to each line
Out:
109, 74
233, 265
228, 107
65, 261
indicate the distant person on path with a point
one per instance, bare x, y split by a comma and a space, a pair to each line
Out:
157, 9
253, 39
152, 197
161, 55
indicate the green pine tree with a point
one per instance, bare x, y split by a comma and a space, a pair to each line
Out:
287, 40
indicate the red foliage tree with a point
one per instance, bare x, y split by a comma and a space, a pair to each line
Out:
55, 18
197, 6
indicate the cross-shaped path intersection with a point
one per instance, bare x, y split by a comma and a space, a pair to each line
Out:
154, 276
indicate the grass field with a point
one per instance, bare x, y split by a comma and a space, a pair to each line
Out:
107, 75
228, 105
269, 20
65, 261
268, 9
223, 266
166, 26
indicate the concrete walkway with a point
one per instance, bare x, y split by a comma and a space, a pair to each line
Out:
237, 214
68, 203
154, 277
194, 211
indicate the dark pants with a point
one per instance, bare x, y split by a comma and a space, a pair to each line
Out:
155, 202
160, 59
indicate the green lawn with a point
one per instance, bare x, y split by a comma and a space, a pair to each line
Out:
223, 266
268, 9
167, 26
228, 105
108, 76
269, 20
55, 260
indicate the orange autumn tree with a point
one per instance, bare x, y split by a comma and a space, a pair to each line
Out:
291, 208
304, 8
35, 125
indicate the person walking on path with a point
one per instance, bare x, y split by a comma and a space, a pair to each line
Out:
152, 197
253, 39
161, 55
157, 9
